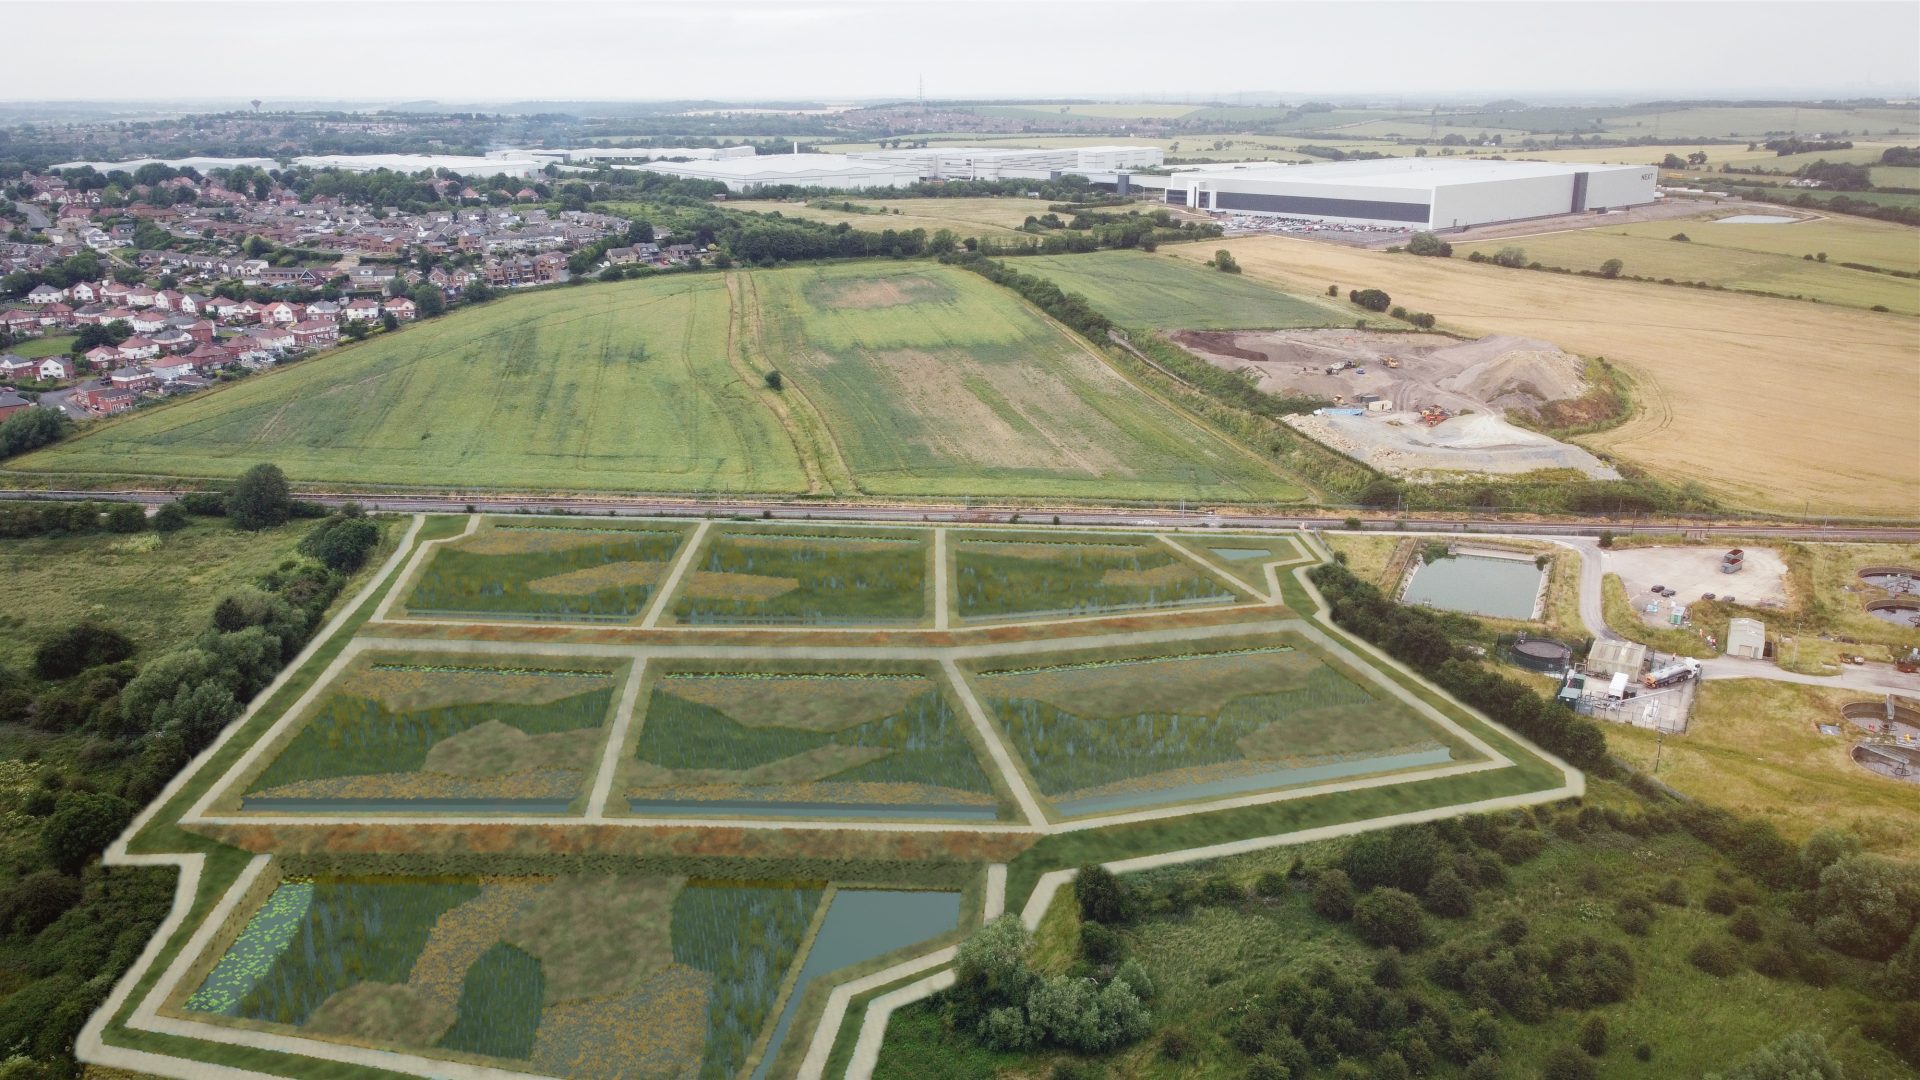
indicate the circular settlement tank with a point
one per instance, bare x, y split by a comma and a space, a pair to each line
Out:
1542, 654
1901, 612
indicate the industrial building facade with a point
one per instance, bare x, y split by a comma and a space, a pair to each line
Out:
1414, 193
900, 168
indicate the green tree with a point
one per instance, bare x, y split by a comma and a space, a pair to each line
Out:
1371, 299
1426, 243
81, 825
1102, 897
341, 543
1447, 895
429, 301
1869, 905
77, 648
30, 429
169, 518
1798, 1056
1611, 268
261, 499
1333, 895
1511, 257
127, 518
1593, 1034
1566, 1063
1388, 916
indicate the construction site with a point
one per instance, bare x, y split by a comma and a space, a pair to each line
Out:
1411, 404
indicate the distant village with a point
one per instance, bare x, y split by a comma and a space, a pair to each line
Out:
200, 281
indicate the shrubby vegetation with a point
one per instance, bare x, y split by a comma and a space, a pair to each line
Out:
1459, 949
1425, 640
106, 728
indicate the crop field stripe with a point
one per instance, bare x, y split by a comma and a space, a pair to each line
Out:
665, 594
610, 757
1015, 776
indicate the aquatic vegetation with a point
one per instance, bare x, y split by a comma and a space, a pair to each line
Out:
1044, 575
500, 1005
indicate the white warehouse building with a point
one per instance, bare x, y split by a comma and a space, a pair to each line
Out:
1414, 193
800, 170
1016, 163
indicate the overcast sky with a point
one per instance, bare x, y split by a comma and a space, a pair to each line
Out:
825, 49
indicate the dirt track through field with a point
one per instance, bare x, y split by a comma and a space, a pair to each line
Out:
1771, 404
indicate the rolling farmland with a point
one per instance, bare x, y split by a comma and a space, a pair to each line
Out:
1134, 288
619, 387
1713, 369
1767, 258
968, 217
934, 381
900, 380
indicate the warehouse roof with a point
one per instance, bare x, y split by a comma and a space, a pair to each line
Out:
1405, 173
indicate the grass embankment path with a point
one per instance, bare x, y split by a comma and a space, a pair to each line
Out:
1830, 392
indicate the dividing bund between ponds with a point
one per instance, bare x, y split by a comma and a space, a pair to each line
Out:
273, 805
1260, 781
860, 925
776, 808
1499, 586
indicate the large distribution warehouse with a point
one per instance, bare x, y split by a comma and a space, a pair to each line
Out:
1415, 193
899, 168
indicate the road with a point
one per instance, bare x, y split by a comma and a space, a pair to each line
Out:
37, 218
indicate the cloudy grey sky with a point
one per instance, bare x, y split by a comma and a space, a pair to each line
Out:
829, 49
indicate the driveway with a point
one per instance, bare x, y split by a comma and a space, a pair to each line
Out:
63, 400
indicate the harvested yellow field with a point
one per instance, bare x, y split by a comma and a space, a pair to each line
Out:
967, 217
1770, 404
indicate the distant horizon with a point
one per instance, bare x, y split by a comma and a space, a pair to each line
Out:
744, 51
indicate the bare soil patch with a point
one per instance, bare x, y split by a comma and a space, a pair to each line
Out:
383, 1013
708, 585
809, 704
877, 292
592, 579
413, 691
1500, 373
600, 936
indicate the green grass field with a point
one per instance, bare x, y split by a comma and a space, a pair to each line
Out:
999, 217
1003, 575
1769, 258
801, 577
901, 379
517, 569
35, 348
613, 387
146, 586
1134, 288
935, 381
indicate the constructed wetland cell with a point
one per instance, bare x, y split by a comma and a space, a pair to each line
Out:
1500, 586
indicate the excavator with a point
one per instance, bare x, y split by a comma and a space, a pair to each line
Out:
1432, 415
1390, 362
